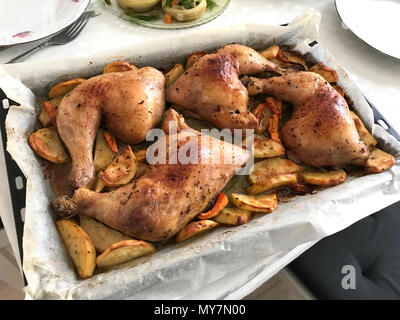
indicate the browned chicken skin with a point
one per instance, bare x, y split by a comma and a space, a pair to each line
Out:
211, 87
131, 102
321, 131
162, 201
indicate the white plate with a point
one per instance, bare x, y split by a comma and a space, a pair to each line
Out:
376, 22
24, 21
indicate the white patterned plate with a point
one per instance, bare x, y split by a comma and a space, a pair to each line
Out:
24, 21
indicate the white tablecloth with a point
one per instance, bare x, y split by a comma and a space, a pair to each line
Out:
376, 74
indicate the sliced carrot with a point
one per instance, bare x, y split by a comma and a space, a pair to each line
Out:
275, 106
258, 111
273, 128
281, 56
220, 203
111, 141
175, 2
167, 18
52, 111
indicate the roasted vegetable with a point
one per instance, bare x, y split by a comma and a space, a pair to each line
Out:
174, 74
99, 186
365, 136
379, 161
46, 143
262, 114
140, 155
79, 246
262, 203
141, 169
138, 5
195, 228
124, 251
184, 13
192, 58
101, 235
103, 155
325, 72
339, 89
52, 112
272, 183
220, 203
62, 88
233, 216
291, 57
118, 66
111, 141
121, 170
271, 52
44, 118
270, 167
275, 106
266, 148
322, 178
273, 128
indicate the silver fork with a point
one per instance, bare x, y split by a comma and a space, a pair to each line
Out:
65, 36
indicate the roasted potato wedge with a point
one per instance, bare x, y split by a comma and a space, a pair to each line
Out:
270, 167
322, 178
379, 161
46, 143
271, 52
99, 185
174, 74
62, 88
103, 155
141, 169
121, 170
365, 136
124, 251
195, 228
101, 235
262, 113
140, 155
291, 57
118, 66
262, 203
325, 72
233, 216
339, 89
56, 101
192, 58
79, 246
267, 148
44, 118
272, 183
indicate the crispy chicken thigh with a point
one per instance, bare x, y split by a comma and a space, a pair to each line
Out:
212, 90
131, 102
162, 201
321, 131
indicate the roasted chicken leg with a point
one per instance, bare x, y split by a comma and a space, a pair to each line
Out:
162, 201
212, 90
321, 131
131, 102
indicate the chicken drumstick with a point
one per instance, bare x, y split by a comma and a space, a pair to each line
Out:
162, 201
321, 131
131, 102
211, 87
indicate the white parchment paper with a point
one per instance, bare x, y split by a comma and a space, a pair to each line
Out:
182, 270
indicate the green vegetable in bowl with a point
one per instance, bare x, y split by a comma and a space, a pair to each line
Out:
184, 10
